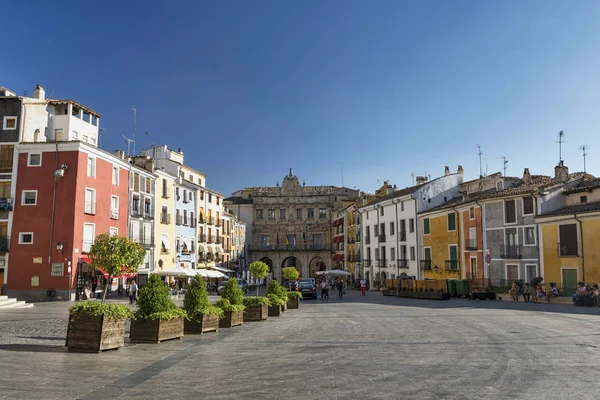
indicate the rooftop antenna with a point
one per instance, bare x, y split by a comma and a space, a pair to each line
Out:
342, 173
584, 149
128, 141
100, 132
561, 140
480, 153
412, 176
134, 127
145, 137
504, 163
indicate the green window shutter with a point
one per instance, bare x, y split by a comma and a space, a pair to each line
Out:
427, 253
426, 230
453, 252
452, 222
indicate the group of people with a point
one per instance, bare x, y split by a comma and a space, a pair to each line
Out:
326, 284
533, 292
588, 292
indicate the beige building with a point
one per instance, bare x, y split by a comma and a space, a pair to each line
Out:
289, 224
164, 220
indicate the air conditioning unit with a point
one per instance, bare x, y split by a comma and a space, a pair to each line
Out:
59, 173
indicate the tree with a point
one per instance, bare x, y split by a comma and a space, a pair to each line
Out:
259, 270
196, 303
290, 273
115, 255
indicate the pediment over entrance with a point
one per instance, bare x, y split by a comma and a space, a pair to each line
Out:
290, 184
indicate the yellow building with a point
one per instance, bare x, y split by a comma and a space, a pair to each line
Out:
164, 227
440, 244
570, 238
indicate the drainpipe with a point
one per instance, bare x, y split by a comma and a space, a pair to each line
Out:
482, 236
582, 254
397, 238
461, 252
537, 236
53, 212
418, 247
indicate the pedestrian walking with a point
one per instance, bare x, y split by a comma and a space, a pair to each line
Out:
133, 288
323, 288
340, 288
363, 287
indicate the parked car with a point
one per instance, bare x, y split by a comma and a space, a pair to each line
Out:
291, 285
308, 288
308, 279
242, 284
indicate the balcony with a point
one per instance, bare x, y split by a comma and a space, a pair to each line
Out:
402, 236
426, 265
4, 244
451, 265
283, 247
136, 212
164, 250
86, 245
148, 214
6, 165
165, 194
201, 220
179, 220
90, 208
212, 239
165, 218
381, 262
403, 263
114, 214
512, 252
211, 221
202, 238
144, 241
367, 240
6, 204
381, 238
471, 244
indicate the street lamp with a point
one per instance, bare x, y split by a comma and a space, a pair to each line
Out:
436, 268
59, 247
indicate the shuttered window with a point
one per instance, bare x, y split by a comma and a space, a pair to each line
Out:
527, 205
510, 216
568, 240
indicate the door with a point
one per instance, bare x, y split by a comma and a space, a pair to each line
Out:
569, 282
453, 254
474, 268
512, 273
531, 272
472, 244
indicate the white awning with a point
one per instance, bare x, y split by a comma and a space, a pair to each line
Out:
334, 272
218, 249
207, 273
210, 249
176, 272
222, 269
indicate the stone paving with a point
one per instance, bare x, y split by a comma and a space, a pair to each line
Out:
371, 347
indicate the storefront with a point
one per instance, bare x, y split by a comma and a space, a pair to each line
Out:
96, 280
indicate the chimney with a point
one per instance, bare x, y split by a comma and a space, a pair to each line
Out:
179, 150
120, 154
446, 170
526, 176
421, 180
39, 92
561, 172
465, 195
460, 170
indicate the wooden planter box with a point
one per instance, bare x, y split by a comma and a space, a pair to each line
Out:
293, 302
208, 323
231, 319
258, 313
274, 311
148, 331
90, 333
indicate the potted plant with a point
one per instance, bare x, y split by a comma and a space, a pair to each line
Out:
258, 270
157, 318
202, 316
98, 326
284, 295
274, 294
256, 308
95, 326
292, 274
232, 303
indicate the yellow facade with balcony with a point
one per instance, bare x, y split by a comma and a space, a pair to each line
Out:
164, 226
440, 245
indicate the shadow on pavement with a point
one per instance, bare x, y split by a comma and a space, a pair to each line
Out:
33, 348
42, 337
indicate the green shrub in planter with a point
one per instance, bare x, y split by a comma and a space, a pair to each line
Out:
232, 303
256, 301
256, 308
259, 270
157, 317
275, 300
96, 309
202, 316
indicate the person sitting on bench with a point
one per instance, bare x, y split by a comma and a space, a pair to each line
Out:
553, 292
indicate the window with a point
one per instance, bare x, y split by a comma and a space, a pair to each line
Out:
375, 230
427, 253
529, 236
472, 213
58, 135
210, 197
298, 213
568, 240
391, 229
453, 257
426, 228
381, 211
135, 206
190, 194
499, 185
25, 237
142, 186
282, 213
322, 213
411, 225
317, 241
185, 217
148, 185
90, 201
35, 160
147, 208
201, 195
367, 232
10, 123
402, 205
114, 207
527, 205
451, 222
218, 201
510, 216
29, 197
412, 253
583, 199
88, 237
165, 189
367, 215
264, 241
115, 176
259, 214
392, 254
310, 213
114, 231
271, 214
91, 167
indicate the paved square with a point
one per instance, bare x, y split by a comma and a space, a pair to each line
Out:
373, 347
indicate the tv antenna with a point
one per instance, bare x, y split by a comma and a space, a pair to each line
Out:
412, 176
128, 141
145, 136
504, 163
584, 149
134, 127
342, 173
479, 152
560, 141
100, 132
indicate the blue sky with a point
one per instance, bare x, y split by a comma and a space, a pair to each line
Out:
249, 89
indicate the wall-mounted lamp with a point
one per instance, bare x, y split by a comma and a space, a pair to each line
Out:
436, 268
59, 247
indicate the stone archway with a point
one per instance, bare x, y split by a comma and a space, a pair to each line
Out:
317, 264
291, 261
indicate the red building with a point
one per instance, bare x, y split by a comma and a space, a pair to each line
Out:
67, 193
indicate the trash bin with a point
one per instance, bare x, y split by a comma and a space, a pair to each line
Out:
462, 287
51, 293
452, 287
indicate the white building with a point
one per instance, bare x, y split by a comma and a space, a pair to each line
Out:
389, 223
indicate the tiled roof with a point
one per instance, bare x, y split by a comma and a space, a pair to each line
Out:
574, 209
459, 200
537, 183
394, 194
584, 186
89, 110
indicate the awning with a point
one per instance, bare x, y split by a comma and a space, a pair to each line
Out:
207, 273
119, 276
86, 260
334, 272
210, 249
218, 249
202, 248
202, 213
176, 272
222, 269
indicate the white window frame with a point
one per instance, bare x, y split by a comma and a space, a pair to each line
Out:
93, 201
83, 248
115, 230
29, 164
21, 237
471, 208
525, 237
115, 178
506, 270
448, 222
93, 175
23, 197
523, 206
6, 119
116, 212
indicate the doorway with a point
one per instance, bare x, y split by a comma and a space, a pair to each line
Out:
474, 274
512, 273
569, 281
531, 272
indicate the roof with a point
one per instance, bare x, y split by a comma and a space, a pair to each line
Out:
537, 183
237, 200
84, 108
573, 209
394, 194
497, 174
584, 186
460, 200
